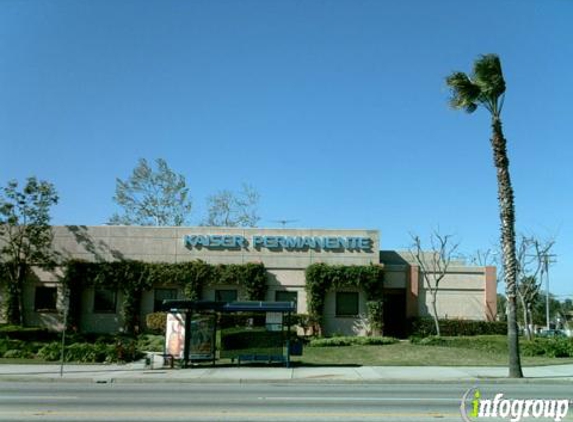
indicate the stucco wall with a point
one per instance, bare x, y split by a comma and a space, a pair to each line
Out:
166, 244
461, 294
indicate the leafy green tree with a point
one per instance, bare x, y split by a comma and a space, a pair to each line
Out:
486, 87
25, 237
229, 209
152, 197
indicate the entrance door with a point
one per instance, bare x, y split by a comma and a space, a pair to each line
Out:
395, 313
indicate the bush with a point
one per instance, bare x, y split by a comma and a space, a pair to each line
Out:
156, 322
6, 344
352, 341
17, 354
550, 347
489, 344
232, 339
424, 327
50, 352
15, 332
150, 343
124, 350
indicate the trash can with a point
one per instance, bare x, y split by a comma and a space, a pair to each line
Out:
295, 347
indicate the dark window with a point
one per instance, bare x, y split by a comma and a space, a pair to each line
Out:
105, 300
284, 296
225, 295
46, 299
161, 295
346, 303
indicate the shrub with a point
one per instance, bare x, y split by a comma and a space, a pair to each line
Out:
122, 351
150, 343
17, 354
50, 352
156, 322
16, 332
352, 341
550, 347
424, 327
250, 339
6, 344
489, 343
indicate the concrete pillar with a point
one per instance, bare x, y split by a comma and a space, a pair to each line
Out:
490, 292
412, 288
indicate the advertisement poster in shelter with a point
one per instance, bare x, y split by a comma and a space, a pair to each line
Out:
175, 335
202, 338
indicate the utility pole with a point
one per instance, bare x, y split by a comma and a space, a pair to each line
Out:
66, 305
547, 259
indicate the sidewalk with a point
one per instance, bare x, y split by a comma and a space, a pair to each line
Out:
138, 373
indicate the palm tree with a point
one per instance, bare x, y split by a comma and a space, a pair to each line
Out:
486, 87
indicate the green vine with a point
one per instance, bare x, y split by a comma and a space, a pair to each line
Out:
320, 278
135, 277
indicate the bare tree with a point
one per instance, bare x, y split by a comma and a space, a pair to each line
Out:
230, 209
531, 253
434, 264
531, 259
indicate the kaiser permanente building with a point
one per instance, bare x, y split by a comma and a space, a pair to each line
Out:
465, 293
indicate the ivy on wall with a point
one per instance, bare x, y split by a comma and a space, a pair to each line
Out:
320, 278
132, 278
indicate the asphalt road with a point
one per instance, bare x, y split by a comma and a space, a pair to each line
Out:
171, 402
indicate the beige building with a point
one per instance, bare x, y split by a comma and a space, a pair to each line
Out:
466, 292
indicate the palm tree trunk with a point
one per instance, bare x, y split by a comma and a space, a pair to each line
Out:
507, 216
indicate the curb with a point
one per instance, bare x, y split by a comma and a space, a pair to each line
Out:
167, 380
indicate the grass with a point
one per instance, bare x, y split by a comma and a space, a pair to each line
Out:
453, 351
444, 351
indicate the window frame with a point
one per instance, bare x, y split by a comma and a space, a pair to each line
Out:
293, 292
44, 309
156, 305
102, 310
219, 291
338, 298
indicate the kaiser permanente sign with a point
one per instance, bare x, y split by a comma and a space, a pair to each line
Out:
292, 243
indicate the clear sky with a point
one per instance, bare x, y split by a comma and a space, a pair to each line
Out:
335, 111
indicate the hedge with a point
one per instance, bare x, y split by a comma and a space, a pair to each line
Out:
352, 341
550, 347
424, 327
15, 332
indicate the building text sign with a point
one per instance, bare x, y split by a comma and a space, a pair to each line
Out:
291, 243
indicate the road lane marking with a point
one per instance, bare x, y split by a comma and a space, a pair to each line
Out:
4, 397
380, 399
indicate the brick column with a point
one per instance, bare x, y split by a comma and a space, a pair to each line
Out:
412, 287
490, 292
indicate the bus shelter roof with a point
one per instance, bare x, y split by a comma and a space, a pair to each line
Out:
209, 305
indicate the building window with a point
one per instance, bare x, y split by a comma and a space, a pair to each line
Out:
225, 295
105, 301
346, 304
163, 294
284, 296
46, 299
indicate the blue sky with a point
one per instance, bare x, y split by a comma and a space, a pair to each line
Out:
336, 111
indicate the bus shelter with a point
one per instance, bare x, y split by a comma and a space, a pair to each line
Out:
199, 331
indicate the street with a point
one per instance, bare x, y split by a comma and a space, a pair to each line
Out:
168, 402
